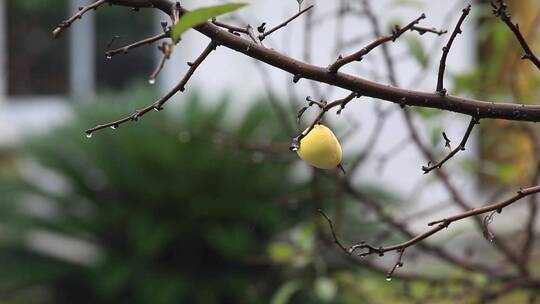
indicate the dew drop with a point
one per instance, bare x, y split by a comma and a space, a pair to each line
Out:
89, 135
114, 127
295, 145
109, 57
388, 278
151, 81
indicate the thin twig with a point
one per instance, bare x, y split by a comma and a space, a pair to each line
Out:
422, 30
82, 10
349, 251
460, 147
231, 28
442, 224
455, 194
502, 12
336, 239
397, 264
158, 104
401, 227
284, 23
468, 106
125, 49
491, 207
325, 107
443, 177
166, 49
446, 49
376, 28
381, 250
341, 61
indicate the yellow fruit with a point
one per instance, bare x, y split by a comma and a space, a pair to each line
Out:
320, 148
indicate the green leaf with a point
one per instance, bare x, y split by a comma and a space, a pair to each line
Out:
200, 16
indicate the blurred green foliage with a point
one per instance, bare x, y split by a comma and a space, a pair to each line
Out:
174, 215
172, 209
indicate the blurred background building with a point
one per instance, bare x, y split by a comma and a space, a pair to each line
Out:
41, 75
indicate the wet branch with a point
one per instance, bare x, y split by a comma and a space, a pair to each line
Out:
158, 104
366, 249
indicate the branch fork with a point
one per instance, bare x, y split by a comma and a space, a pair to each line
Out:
461, 147
396, 33
363, 246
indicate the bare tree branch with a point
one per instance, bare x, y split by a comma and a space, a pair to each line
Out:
245, 41
460, 147
231, 28
264, 33
446, 49
82, 10
472, 107
439, 225
423, 30
500, 10
491, 207
149, 40
166, 50
334, 67
158, 104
